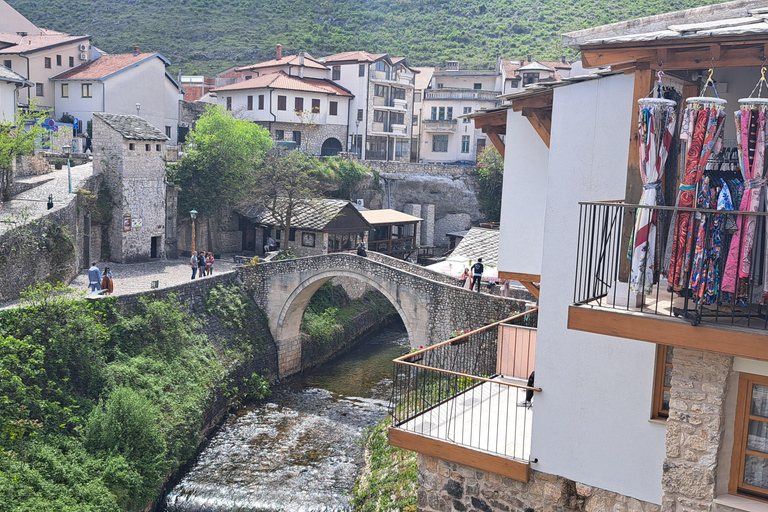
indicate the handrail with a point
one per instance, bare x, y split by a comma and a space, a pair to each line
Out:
621, 202
476, 377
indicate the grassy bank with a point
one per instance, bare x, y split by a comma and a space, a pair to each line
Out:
389, 480
97, 407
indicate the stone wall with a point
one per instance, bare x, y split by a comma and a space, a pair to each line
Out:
448, 486
408, 167
312, 136
34, 165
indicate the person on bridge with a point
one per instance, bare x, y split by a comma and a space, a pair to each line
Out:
107, 283
193, 263
361, 250
477, 274
94, 278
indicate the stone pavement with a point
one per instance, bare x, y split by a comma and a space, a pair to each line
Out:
137, 277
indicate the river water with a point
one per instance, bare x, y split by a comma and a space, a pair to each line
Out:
302, 450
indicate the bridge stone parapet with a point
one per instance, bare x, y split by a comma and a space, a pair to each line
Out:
430, 309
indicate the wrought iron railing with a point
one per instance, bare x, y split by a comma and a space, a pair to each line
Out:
452, 391
692, 271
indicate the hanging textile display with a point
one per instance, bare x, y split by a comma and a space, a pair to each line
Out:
657, 120
750, 137
702, 126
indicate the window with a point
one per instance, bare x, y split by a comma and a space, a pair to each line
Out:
47, 63
449, 113
157, 146
439, 86
131, 146
439, 143
261, 102
148, 147
86, 90
514, 83
315, 106
381, 66
417, 97
530, 78
467, 110
279, 135
167, 132
441, 113
378, 116
65, 90
298, 105
248, 77
402, 148
465, 143
662, 381
7, 63
292, 235
250, 103
71, 62
39, 89
336, 73
480, 146
415, 120
749, 463
397, 118
360, 114
478, 87
297, 137
376, 148
398, 94
379, 90
281, 103
434, 114
229, 102
58, 60
333, 108
361, 70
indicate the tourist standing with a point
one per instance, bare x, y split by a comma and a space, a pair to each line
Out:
94, 277
209, 264
107, 283
201, 263
193, 263
361, 250
477, 274
466, 279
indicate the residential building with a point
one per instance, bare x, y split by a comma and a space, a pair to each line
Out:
422, 82
10, 83
649, 394
37, 53
196, 86
393, 233
454, 92
125, 84
517, 74
381, 110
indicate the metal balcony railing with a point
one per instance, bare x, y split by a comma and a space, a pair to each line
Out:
461, 94
695, 264
452, 391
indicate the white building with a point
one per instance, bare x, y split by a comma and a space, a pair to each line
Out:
10, 83
124, 84
422, 82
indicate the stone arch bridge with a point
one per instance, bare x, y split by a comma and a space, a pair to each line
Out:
430, 304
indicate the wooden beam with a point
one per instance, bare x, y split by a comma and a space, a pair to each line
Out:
541, 120
519, 276
679, 57
531, 287
543, 100
448, 451
597, 58
497, 142
664, 330
491, 119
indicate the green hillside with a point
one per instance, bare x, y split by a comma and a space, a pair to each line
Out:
205, 36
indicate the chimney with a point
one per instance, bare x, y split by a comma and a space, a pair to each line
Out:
279, 52
530, 57
136, 50
301, 58
562, 59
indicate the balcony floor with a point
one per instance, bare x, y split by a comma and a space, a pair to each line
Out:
485, 417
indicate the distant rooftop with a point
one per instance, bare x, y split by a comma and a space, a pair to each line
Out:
131, 127
289, 60
281, 80
33, 42
479, 243
6, 75
105, 66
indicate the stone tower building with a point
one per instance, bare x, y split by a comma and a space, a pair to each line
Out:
129, 153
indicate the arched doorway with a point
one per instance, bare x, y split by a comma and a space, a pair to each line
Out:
331, 147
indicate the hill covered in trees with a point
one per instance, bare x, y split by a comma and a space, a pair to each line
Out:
206, 36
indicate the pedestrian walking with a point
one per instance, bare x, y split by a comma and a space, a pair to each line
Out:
193, 263
209, 264
466, 279
201, 263
94, 277
477, 274
107, 283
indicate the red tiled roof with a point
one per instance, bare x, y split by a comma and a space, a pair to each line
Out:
33, 42
281, 80
102, 67
511, 66
359, 56
288, 60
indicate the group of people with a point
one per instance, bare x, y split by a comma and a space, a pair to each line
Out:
99, 281
473, 276
201, 263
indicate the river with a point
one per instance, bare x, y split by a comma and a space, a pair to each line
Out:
301, 450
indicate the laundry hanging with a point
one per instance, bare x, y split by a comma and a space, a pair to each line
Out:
657, 120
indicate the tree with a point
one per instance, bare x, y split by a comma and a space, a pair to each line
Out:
219, 168
490, 174
17, 138
286, 182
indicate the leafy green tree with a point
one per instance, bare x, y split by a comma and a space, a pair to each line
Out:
219, 166
17, 138
490, 174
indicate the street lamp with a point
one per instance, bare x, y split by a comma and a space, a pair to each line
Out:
193, 214
357, 138
68, 151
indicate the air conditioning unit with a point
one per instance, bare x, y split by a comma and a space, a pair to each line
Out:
83, 47
360, 202
83, 56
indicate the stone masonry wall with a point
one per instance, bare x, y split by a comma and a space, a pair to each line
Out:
448, 486
312, 137
695, 429
407, 167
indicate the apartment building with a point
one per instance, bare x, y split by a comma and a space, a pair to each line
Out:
650, 389
422, 82
381, 110
10, 83
516, 74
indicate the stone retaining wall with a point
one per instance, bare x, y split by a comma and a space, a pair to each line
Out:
448, 486
449, 169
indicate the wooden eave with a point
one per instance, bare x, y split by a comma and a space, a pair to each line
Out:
538, 110
493, 124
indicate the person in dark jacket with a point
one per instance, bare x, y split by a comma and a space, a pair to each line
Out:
361, 250
201, 263
477, 274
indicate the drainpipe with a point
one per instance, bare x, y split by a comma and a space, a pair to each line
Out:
29, 93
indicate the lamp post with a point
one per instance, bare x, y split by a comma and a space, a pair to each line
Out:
193, 214
68, 151
357, 138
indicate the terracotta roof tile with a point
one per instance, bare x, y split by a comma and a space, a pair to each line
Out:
102, 67
359, 56
289, 60
281, 80
34, 42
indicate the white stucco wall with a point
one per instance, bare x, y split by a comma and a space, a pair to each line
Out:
521, 239
76, 105
591, 422
7, 101
240, 106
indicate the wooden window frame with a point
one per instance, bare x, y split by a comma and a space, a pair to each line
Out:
298, 105
336, 73
315, 106
361, 70
58, 60
657, 411
47, 61
249, 102
261, 102
282, 102
39, 89
740, 429
333, 108
65, 90
229, 102
71, 62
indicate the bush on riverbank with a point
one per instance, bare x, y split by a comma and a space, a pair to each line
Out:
389, 480
98, 407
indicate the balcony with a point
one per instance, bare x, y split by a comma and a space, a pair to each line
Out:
439, 125
458, 400
390, 77
461, 94
697, 302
